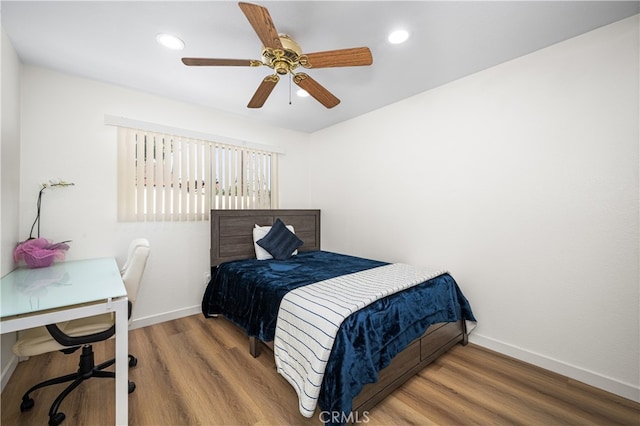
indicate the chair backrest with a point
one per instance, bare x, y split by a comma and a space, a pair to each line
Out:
134, 266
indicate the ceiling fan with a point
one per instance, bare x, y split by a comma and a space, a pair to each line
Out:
282, 54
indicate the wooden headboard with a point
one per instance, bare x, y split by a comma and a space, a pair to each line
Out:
232, 231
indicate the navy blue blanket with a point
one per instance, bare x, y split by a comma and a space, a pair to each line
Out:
248, 292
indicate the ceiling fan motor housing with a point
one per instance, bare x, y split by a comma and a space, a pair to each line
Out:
283, 60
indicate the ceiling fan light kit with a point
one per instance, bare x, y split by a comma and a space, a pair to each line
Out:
282, 54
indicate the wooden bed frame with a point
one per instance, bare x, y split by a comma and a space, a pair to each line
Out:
232, 239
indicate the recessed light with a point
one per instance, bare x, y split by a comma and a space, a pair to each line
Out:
397, 37
170, 41
302, 93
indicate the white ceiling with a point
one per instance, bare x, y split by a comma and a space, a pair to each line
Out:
115, 42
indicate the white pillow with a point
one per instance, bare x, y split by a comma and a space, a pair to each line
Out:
259, 233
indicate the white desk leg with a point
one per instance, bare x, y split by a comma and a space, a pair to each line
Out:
122, 362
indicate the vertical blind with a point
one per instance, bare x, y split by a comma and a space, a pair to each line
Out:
164, 177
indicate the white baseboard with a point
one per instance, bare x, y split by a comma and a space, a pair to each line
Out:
8, 371
625, 390
166, 316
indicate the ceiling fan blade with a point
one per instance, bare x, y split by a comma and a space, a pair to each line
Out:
218, 62
263, 92
354, 57
314, 88
262, 24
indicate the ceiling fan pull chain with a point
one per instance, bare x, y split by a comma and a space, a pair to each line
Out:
290, 77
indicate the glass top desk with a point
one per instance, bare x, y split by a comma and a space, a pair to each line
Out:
70, 290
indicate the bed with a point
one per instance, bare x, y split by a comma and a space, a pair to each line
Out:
394, 355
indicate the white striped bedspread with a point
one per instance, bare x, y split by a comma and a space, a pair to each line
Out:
309, 318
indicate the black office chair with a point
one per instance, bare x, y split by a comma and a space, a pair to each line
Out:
72, 335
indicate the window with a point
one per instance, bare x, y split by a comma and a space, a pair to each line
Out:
163, 177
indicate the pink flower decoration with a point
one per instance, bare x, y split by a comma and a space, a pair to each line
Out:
39, 252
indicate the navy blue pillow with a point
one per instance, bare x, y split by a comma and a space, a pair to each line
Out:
279, 241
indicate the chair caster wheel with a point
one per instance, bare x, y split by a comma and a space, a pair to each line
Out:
56, 419
132, 386
133, 361
27, 404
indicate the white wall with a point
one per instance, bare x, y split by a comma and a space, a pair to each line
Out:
522, 180
64, 136
9, 153
10, 174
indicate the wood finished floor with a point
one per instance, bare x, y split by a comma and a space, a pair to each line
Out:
196, 371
